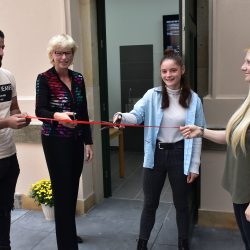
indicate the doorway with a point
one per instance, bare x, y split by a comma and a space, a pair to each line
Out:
128, 31
120, 26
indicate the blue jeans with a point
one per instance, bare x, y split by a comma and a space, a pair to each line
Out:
9, 171
167, 162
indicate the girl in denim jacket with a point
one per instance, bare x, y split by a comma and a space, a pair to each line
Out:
167, 107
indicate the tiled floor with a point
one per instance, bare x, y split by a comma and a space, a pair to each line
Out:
114, 224
130, 187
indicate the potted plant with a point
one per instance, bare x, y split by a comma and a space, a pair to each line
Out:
41, 191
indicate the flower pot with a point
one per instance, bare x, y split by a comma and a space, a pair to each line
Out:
48, 212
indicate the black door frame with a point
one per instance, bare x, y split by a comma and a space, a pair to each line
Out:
189, 52
103, 79
188, 35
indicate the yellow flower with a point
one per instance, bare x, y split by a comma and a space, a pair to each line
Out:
42, 192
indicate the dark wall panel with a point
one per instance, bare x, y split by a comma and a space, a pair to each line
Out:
136, 65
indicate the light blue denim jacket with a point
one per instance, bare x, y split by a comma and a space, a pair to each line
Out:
148, 110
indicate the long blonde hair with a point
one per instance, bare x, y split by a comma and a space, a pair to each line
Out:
237, 126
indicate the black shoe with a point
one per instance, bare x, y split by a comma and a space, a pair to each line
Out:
79, 239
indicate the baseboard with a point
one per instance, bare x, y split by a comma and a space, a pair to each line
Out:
217, 219
83, 206
23, 201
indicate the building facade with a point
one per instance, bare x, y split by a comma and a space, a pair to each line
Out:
221, 44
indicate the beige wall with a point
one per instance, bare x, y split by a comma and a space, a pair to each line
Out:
28, 25
26, 38
213, 196
88, 31
228, 40
227, 89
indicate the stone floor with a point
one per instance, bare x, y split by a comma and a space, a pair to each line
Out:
114, 224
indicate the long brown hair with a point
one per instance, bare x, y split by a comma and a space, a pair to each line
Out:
185, 95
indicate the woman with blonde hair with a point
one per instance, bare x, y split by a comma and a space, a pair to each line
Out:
61, 95
236, 179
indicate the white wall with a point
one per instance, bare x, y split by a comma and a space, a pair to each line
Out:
133, 22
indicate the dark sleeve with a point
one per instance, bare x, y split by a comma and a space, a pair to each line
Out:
86, 127
42, 98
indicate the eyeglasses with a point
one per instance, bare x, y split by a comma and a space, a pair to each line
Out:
61, 53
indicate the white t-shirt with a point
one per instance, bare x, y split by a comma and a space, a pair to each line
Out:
7, 91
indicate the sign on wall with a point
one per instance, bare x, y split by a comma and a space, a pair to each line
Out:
171, 32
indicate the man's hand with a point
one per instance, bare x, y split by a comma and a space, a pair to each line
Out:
16, 121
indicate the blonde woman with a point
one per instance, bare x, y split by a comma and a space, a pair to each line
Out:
236, 179
60, 94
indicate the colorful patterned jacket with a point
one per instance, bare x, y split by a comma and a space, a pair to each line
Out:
52, 95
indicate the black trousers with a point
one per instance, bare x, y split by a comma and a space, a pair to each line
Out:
64, 157
9, 171
167, 162
244, 225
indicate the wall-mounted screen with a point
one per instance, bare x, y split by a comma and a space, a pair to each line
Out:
171, 32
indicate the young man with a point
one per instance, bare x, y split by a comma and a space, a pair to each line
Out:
10, 118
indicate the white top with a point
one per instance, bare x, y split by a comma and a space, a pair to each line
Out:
173, 118
7, 92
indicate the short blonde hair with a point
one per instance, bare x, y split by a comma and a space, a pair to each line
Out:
62, 41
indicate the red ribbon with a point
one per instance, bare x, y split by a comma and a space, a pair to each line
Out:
106, 124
